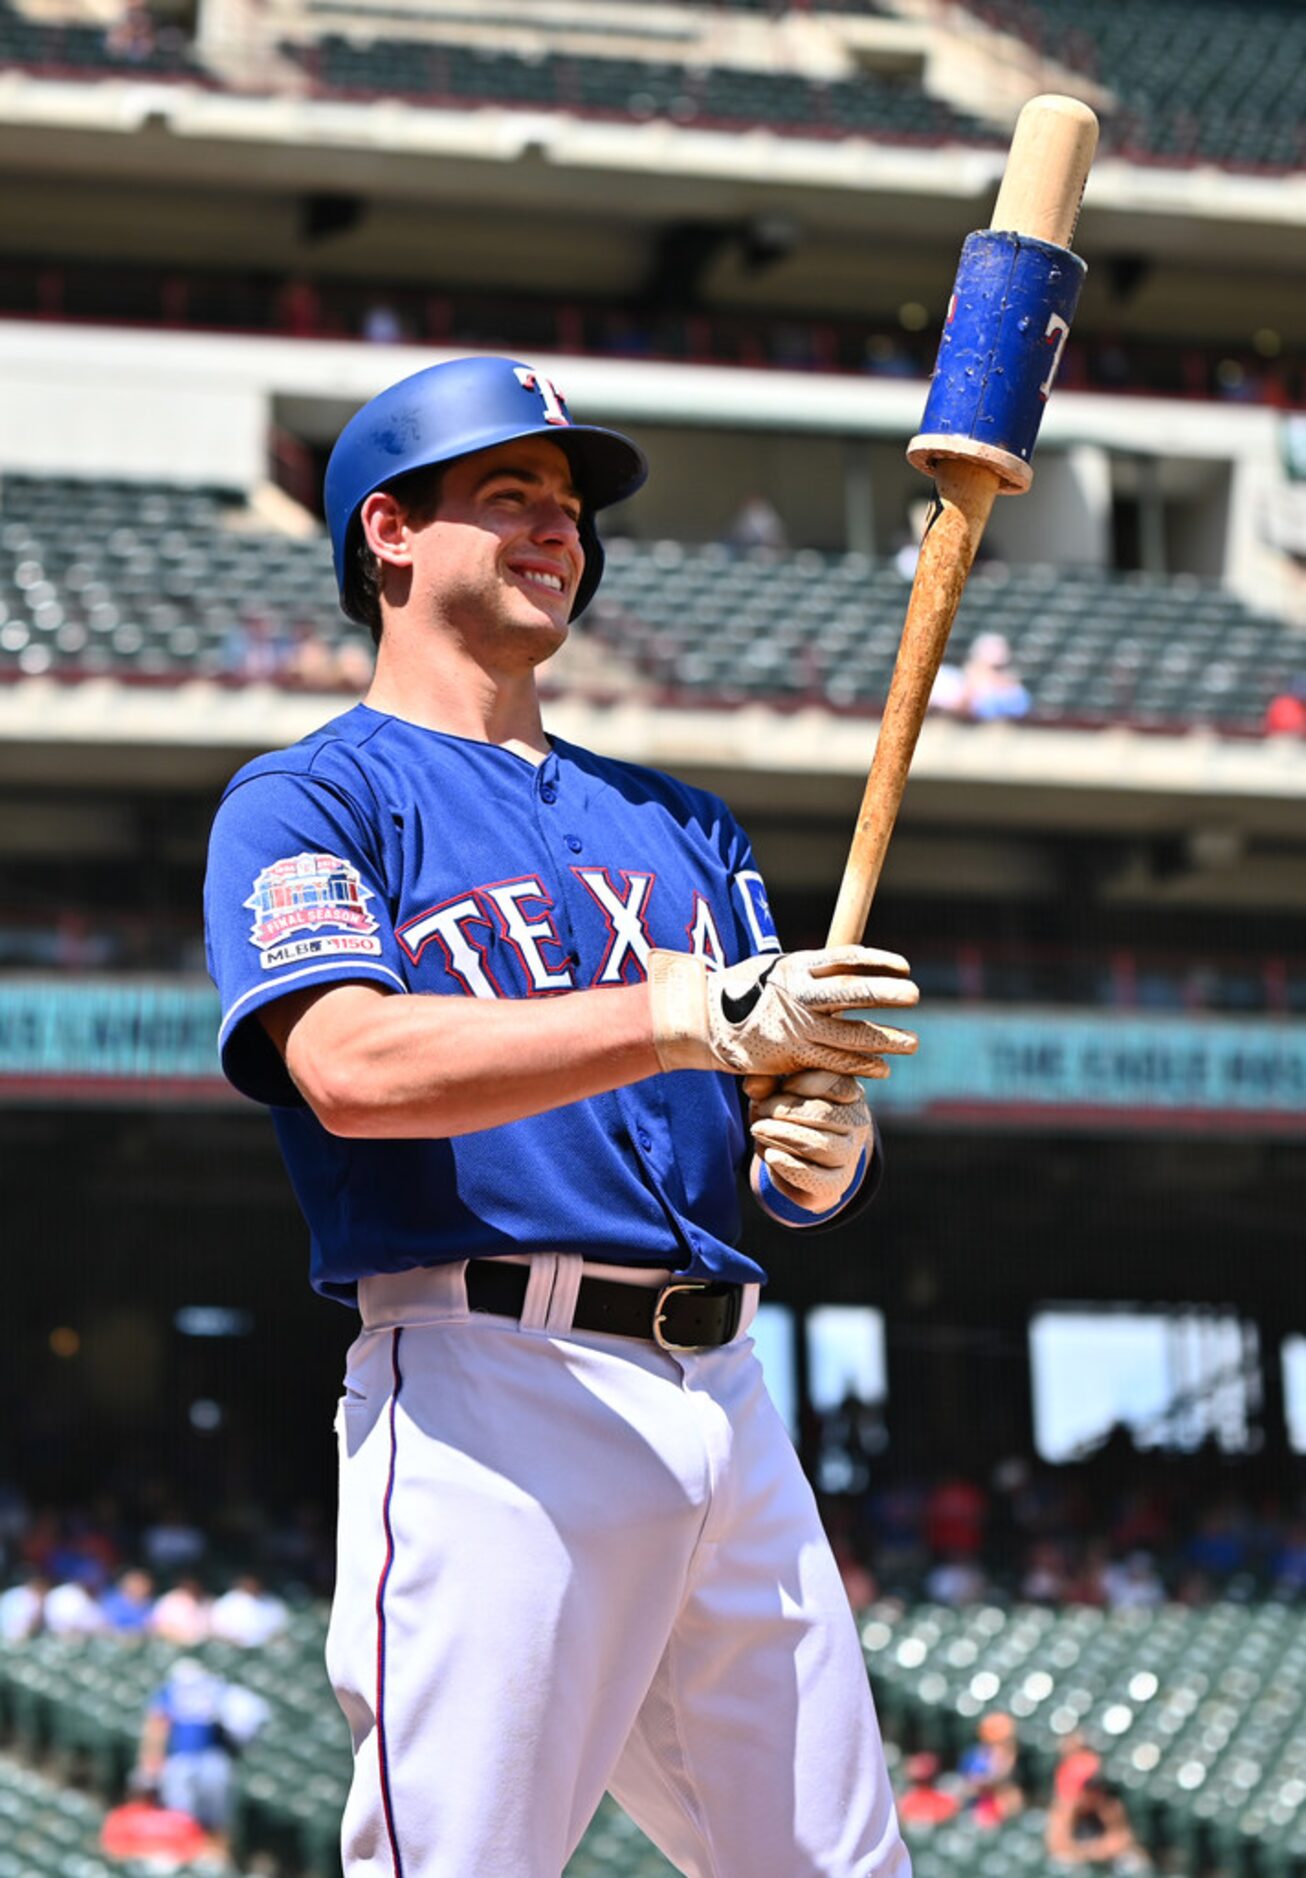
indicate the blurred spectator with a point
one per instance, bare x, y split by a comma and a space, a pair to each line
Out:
247, 1614
1221, 1541
255, 650
897, 1518
1143, 1522
887, 357
1235, 384
83, 1549
193, 1726
128, 1605
130, 36
956, 1581
948, 693
991, 1772
173, 1541
1045, 1579
158, 1836
993, 689
924, 1803
757, 525
22, 1609
1091, 1827
354, 666
1132, 1584
382, 326
1285, 715
71, 1611
1076, 1763
1288, 1561
955, 1514
857, 1580
298, 310
1084, 1582
309, 661
182, 1615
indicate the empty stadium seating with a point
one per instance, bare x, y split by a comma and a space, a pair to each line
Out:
638, 88
1193, 80
49, 1831
161, 583
153, 584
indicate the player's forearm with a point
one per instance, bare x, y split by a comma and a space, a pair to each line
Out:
436, 1067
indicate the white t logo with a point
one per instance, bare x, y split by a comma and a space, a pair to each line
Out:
550, 397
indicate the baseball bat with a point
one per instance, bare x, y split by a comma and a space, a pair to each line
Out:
1007, 323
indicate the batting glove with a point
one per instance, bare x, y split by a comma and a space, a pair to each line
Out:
779, 1012
812, 1134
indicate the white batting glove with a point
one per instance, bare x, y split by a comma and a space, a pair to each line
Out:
811, 1132
779, 1012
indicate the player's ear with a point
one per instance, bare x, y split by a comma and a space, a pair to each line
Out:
385, 524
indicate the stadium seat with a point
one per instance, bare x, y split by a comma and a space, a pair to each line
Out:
1193, 81
454, 74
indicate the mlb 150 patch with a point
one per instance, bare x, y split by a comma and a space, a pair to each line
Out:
307, 893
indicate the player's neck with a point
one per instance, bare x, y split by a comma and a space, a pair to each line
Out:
462, 699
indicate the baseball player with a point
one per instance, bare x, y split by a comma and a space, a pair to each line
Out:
504, 998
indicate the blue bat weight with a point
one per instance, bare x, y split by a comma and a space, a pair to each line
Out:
1007, 325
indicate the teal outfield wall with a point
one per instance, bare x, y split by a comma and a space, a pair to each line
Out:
92, 1040
136, 1040
1104, 1068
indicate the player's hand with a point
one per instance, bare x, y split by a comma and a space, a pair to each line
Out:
780, 1012
811, 1132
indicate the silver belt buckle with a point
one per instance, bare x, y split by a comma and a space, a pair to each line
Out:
667, 1291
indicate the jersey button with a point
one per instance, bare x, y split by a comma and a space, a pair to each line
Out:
574, 843
548, 792
644, 1139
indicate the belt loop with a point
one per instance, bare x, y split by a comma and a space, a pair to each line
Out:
536, 1310
566, 1289
748, 1308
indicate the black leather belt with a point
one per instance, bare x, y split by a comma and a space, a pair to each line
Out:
683, 1315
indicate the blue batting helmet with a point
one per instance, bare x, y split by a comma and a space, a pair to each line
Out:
448, 411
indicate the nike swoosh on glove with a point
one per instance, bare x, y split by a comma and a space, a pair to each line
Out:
777, 1013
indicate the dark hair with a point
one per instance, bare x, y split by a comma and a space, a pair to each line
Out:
419, 491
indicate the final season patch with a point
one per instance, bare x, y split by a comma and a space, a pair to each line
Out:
303, 893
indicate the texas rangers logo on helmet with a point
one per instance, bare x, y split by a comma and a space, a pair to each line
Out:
555, 405
303, 893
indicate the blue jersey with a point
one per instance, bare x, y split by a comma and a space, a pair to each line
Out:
380, 851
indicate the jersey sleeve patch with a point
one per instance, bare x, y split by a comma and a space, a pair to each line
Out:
751, 891
321, 896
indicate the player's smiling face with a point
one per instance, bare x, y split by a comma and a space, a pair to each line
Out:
501, 560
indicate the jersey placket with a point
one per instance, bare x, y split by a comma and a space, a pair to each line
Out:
559, 843
647, 1125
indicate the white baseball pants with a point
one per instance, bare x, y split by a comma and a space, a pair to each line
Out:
571, 1561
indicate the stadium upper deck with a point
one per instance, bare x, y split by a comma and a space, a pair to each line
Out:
1175, 83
